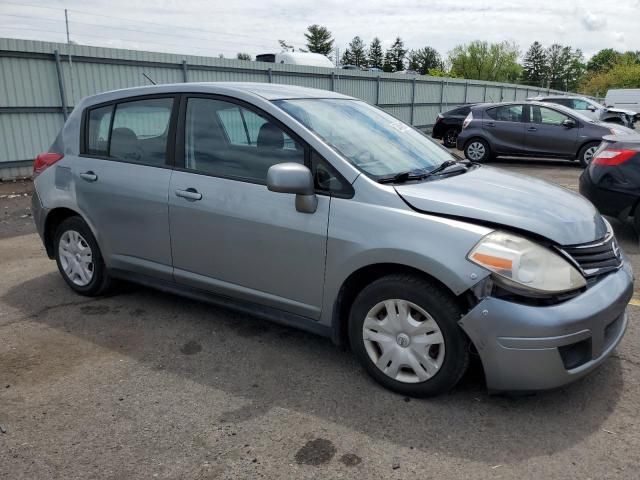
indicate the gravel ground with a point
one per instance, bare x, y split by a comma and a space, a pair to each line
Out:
142, 384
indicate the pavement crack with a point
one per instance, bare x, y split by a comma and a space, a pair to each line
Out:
46, 310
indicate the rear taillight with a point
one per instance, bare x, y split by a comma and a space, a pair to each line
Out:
467, 120
613, 156
44, 161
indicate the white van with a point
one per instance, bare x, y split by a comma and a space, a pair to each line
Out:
627, 98
296, 58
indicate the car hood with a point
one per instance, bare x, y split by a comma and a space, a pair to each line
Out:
621, 110
511, 200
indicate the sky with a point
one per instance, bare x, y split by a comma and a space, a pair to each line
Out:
212, 27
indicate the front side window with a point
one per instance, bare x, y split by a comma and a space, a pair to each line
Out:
547, 116
227, 140
367, 137
506, 113
140, 130
580, 104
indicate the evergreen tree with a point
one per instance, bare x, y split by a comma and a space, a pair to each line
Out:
358, 53
398, 53
319, 39
347, 58
375, 57
387, 64
535, 65
243, 56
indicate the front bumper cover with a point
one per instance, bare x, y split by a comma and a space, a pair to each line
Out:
520, 345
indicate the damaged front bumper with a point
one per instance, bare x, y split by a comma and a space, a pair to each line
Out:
527, 348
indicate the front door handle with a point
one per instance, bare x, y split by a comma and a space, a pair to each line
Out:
490, 124
532, 129
190, 194
89, 176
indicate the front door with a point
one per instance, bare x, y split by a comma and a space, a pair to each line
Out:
546, 134
122, 183
230, 235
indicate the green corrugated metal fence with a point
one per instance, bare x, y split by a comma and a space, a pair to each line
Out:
37, 86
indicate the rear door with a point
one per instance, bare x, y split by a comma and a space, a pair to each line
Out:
505, 128
122, 181
230, 235
546, 135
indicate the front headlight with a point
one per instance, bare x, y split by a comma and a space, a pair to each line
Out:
522, 263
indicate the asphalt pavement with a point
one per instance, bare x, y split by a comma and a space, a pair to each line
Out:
142, 384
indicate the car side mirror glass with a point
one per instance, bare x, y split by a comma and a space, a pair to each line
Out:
569, 123
592, 108
296, 179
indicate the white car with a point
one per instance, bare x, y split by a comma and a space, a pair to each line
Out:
592, 109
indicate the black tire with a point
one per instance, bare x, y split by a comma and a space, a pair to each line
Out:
440, 305
472, 145
584, 151
100, 279
450, 137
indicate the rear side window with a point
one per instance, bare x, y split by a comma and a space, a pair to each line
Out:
140, 130
135, 131
99, 124
506, 113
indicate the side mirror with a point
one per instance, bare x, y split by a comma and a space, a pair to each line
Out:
591, 108
569, 123
297, 179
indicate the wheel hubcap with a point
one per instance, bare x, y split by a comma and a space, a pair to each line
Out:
76, 258
475, 151
588, 155
403, 341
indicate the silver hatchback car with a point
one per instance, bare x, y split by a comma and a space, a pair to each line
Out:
319, 211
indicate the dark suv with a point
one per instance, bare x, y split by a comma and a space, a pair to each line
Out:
531, 129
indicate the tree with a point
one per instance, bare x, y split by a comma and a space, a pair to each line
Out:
620, 75
244, 56
357, 50
394, 58
565, 67
424, 59
535, 65
285, 46
347, 58
603, 61
319, 39
375, 57
483, 61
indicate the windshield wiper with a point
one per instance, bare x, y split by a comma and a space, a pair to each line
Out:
418, 174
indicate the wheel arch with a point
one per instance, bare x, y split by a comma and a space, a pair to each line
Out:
363, 276
586, 142
54, 218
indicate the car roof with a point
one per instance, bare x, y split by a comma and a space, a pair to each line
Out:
268, 91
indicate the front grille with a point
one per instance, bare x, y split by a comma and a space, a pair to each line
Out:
596, 258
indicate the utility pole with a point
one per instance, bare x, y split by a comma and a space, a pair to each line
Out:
66, 23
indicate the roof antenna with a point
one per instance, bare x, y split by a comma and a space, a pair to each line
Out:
147, 77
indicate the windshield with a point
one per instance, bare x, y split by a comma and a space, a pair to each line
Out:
369, 138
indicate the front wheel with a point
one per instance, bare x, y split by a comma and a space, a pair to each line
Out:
404, 331
586, 153
477, 150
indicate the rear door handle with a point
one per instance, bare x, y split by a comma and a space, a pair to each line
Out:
190, 194
490, 124
89, 176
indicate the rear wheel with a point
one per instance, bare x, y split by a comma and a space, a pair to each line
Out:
477, 150
449, 138
404, 331
79, 259
585, 155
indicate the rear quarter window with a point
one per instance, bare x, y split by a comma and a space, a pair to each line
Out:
99, 124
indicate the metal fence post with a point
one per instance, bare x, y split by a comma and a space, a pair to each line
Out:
270, 75
378, 90
413, 99
333, 81
466, 87
63, 94
185, 78
441, 95
501, 93
484, 97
